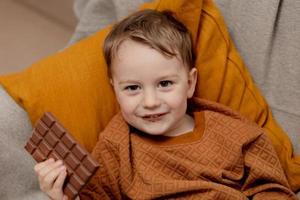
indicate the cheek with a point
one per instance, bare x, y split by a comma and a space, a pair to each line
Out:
177, 101
178, 97
124, 101
127, 104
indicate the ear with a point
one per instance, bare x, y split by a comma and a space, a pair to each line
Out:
192, 80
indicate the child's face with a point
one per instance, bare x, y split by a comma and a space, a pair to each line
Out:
152, 90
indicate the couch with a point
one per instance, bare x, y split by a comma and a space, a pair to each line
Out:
266, 33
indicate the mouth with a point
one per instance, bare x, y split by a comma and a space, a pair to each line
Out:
153, 117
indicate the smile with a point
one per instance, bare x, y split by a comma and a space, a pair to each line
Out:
153, 117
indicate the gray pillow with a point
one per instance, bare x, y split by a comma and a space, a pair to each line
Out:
18, 180
262, 33
95, 14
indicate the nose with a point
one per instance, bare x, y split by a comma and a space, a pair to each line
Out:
151, 99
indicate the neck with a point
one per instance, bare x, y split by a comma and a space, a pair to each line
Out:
186, 125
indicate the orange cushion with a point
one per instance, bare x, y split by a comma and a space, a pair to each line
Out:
74, 86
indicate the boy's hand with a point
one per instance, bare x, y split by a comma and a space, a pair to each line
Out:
51, 176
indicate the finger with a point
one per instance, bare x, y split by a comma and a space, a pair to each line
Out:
65, 197
48, 174
58, 184
48, 168
41, 165
49, 179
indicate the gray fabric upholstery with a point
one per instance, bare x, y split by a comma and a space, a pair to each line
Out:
18, 180
95, 14
267, 34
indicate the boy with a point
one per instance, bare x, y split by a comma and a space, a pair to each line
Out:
161, 147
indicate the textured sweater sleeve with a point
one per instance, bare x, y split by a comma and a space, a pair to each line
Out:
265, 177
104, 184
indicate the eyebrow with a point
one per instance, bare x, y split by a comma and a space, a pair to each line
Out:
160, 78
169, 76
127, 81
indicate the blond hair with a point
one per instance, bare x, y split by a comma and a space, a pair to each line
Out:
158, 30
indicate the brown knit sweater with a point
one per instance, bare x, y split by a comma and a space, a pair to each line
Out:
225, 157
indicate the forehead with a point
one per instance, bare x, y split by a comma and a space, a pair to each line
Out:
135, 55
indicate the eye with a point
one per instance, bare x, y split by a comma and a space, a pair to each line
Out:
132, 87
165, 83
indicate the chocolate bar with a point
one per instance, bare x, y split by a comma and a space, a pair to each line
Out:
51, 140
